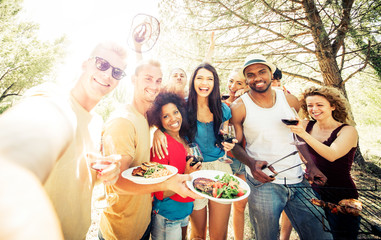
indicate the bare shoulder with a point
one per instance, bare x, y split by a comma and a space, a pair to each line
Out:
237, 102
292, 101
349, 135
238, 110
348, 130
238, 107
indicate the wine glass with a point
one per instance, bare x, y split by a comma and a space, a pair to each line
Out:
195, 153
100, 163
293, 121
227, 134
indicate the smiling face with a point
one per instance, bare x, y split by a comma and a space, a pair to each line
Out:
235, 83
318, 107
204, 82
171, 119
258, 77
97, 83
178, 77
147, 82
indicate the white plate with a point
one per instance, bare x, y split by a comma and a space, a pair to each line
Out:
211, 174
127, 174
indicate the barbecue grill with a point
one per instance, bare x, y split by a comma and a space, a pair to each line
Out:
370, 217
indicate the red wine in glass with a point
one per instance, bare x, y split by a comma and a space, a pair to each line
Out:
228, 138
227, 134
195, 159
290, 121
195, 153
293, 122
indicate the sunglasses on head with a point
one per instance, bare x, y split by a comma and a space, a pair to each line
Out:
103, 65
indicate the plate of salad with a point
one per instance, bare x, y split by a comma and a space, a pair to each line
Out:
218, 186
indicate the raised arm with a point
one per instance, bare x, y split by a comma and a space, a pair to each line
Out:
35, 133
210, 52
292, 101
345, 141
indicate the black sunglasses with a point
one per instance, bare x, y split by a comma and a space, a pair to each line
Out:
103, 65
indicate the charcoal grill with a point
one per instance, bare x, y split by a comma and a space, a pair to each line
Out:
370, 223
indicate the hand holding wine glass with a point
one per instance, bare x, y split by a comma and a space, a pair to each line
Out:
293, 121
108, 170
194, 152
227, 133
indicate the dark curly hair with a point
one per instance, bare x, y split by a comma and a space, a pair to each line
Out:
155, 111
214, 100
335, 99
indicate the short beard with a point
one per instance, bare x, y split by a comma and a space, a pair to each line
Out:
261, 91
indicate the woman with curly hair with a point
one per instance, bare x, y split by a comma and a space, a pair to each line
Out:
332, 144
171, 211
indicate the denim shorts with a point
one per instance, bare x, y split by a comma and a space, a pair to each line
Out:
238, 168
163, 228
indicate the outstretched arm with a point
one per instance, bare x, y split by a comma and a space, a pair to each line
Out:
35, 133
25, 209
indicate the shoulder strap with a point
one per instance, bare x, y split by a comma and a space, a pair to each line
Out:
310, 125
334, 132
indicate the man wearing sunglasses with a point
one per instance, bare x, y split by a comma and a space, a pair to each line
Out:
130, 217
49, 134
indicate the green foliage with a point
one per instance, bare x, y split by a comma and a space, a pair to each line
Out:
366, 34
281, 31
25, 61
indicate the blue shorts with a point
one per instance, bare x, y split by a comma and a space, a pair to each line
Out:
238, 168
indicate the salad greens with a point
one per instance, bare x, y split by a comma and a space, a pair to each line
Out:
227, 187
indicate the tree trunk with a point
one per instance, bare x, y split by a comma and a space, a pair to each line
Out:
323, 48
326, 55
359, 159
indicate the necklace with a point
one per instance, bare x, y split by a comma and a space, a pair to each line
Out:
261, 104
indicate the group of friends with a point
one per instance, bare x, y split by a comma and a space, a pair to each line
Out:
47, 140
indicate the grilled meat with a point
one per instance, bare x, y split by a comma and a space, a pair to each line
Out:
138, 172
146, 165
346, 206
204, 185
350, 206
143, 168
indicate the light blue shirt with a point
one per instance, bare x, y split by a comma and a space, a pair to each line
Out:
207, 141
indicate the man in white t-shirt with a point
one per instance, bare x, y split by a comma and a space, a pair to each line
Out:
257, 115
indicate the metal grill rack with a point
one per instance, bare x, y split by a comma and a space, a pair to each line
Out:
370, 223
